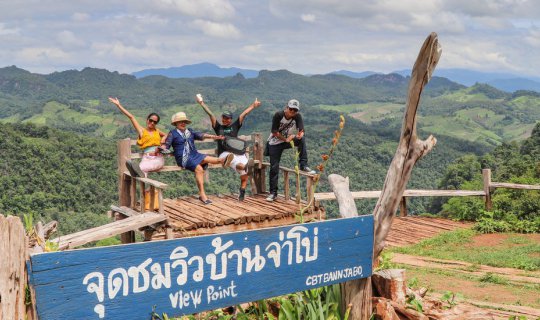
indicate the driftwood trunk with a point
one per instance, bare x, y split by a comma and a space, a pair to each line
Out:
410, 149
358, 293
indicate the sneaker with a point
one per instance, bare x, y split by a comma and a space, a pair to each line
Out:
228, 160
134, 169
271, 197
242, 194
249, 168
307, 169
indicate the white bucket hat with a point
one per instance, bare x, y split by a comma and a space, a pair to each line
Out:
180, 116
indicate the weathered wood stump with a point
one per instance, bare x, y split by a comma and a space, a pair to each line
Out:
13, 244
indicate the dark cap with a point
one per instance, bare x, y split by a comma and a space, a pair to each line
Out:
227, 114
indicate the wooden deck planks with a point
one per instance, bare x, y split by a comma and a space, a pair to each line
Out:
189, 213
411, 230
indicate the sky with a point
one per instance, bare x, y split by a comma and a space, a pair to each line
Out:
305, 37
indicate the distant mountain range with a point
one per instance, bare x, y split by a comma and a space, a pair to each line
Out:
502, 81
198, 70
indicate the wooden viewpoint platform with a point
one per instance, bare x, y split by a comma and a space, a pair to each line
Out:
188, 216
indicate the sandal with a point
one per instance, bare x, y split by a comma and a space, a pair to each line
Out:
207, 201
134, 169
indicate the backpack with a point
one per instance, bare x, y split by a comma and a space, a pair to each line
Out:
234, 145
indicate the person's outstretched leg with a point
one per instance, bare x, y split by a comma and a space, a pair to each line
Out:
199, 178
225, 162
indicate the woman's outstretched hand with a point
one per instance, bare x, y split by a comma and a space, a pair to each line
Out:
114, 100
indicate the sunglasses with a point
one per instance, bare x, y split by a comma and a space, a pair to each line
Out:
153, 121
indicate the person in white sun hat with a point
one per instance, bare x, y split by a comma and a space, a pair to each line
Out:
287, 126
182, 139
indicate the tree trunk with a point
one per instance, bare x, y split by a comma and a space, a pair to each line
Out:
390, 284
410, 148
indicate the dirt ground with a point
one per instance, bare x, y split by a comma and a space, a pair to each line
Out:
517, 291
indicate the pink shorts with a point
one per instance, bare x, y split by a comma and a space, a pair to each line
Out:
151, 163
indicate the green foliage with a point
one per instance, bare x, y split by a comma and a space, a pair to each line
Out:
414, 303
385, 260
509, 222
451, 298
493, 278
316, 304
513, 209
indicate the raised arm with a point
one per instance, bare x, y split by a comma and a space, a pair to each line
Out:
254, 105
206, 109
136, 125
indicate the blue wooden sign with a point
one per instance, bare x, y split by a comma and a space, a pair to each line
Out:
190, 275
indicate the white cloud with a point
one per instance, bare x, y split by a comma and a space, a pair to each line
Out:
80, 17
67, 39
218, 30
35, 55
308, 17
8, 31
219, 10
304, 36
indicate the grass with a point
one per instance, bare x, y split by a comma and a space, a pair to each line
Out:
516, 252
488, 287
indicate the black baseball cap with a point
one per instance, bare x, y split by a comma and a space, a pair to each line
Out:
227, 114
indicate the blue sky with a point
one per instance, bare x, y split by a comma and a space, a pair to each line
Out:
317, 36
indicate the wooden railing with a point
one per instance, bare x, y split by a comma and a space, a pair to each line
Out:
488, 188
131, 189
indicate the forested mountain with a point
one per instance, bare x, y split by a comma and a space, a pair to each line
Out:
77, 100
59, 131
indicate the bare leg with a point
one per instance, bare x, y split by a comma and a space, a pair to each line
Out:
240, 166
243, 181
199, 178
212, 160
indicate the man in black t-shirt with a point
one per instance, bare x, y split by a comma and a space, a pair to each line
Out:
287, 126
229, 128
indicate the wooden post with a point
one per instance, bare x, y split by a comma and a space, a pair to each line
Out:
286, 188
258, 172
356, 293
133, 193
13, 246
123, 154
152, 198
309, 192
486, 175
124, 184
143, 196
403, 207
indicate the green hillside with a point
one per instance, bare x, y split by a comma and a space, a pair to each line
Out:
479, 113
58, 155
77, 101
